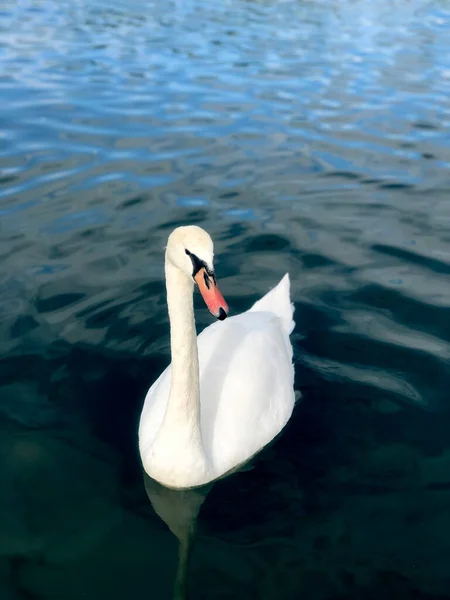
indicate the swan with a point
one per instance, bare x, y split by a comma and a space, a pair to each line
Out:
228, 392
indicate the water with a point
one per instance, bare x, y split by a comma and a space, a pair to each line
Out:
309, 137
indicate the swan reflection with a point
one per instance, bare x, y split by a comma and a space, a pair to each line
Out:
179, 510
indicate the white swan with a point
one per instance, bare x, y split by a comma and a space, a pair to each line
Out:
226, 393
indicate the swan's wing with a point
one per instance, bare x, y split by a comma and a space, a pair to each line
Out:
246, 386
278, 302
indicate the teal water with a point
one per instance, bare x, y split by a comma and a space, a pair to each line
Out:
309, 137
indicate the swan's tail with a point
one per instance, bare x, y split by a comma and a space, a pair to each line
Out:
278, 301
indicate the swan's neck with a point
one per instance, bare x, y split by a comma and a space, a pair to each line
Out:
184, 390
181, 423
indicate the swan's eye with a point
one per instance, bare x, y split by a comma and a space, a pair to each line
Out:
197, 264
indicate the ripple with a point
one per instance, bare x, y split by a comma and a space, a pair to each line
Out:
376, 378
435, 265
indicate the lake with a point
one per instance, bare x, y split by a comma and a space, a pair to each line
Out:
309, 137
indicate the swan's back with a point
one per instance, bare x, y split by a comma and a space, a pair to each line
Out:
246, 382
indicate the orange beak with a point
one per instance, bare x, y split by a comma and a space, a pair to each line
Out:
211, 294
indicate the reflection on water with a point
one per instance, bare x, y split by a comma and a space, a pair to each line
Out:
309, 137
179, 509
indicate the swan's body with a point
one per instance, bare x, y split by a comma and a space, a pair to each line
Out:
209, 413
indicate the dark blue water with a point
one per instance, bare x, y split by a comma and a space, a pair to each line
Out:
309, 137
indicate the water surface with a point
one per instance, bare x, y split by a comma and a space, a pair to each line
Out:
309, 137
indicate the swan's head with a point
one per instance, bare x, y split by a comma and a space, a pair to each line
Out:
191, 249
